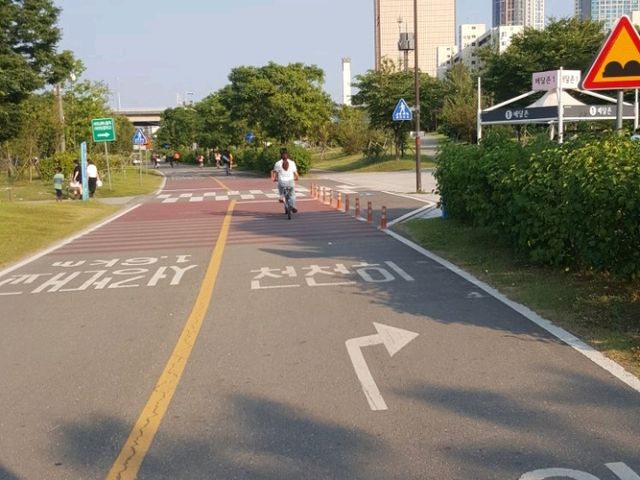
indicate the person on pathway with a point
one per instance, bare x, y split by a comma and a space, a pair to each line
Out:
217, 156
58, 180
200, 159
92, 177
176, 157
285, 173
154, 159
76, 180
169, 159
226, 161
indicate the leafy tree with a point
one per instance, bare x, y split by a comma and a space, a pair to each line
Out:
28, 56
570, 43
459, 114
278, 102
178, 127
351, 129
215, 128
379, 91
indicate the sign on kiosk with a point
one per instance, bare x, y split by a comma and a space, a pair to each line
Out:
617, 66
545, 81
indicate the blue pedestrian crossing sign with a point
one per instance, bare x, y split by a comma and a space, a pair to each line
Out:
402, 112
139, 138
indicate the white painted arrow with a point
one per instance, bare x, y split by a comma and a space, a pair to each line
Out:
394, 339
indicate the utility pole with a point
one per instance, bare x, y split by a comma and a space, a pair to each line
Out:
417, 103
62, 145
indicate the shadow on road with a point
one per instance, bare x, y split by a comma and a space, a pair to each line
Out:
268, 441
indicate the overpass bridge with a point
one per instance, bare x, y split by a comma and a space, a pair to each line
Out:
143, 117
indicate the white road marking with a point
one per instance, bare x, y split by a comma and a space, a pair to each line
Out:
186, 195
164, 196
394, 339
272, 195
247, 197
209, 194
255, 192
67, 241
622, 471
171, 200
233, 192
558, 472
222, 198
409, 215
401, 272
196, 199
473, 295
574, 342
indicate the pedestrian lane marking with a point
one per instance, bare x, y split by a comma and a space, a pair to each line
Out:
224, 196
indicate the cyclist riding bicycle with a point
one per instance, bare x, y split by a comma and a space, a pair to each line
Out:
285, 173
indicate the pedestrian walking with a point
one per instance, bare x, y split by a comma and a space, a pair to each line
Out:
200, 160
58, 181
92, 177
169, 159
217, 156
226, 161
75, 185
176, 156
154, 159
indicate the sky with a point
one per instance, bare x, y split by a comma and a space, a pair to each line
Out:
150, 51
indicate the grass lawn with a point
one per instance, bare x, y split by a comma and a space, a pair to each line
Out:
124, 184
337, 161
602, 310
28, 227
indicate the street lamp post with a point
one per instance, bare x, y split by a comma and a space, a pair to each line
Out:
417, 103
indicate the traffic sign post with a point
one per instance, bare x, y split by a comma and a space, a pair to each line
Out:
402, 112
103, 130
139, 139
617, 65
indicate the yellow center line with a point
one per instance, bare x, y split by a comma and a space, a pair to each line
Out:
137, 446
221, 184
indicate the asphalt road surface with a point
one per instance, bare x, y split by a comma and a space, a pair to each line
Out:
202, 335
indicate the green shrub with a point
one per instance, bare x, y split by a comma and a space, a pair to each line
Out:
575, 205
262, 161
47, 166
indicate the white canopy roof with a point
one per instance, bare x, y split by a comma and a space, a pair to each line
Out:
550, 99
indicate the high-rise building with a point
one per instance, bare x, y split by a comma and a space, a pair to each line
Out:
528, 13
436, 27
607, 11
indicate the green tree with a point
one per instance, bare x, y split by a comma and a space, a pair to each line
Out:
28, 56
351, 129
278, 102
459, 113
178, 127
215, 128
570, 43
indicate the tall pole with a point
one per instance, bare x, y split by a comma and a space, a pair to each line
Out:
619, 113
559, 91
417, 104
479, 117
63, 144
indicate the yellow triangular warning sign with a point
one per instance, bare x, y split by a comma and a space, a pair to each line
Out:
617, 66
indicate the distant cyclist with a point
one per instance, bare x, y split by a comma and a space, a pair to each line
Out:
285, 173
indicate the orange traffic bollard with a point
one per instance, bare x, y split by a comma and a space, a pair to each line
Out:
324, 195
383, 219
357, 213
346, 204
339, 204
331, 197
369, 212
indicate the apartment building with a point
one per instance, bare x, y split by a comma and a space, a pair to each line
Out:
436, 28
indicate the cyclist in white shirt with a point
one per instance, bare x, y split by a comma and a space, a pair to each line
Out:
285, 173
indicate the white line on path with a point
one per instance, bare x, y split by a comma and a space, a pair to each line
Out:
409, 215
62, 243
574, 342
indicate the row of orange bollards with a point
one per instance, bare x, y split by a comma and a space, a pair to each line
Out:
320, 193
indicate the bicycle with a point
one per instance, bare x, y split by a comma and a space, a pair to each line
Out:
287, 200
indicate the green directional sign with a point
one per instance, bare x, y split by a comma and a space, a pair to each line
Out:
103, 130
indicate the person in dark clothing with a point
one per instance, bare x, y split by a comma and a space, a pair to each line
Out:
169, 158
